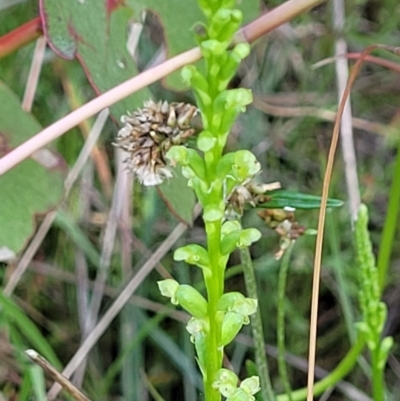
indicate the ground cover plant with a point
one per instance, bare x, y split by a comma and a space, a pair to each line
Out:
199, 182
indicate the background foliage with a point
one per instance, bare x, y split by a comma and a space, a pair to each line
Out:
288, 128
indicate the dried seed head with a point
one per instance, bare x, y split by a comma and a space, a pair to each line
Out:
250, 193
148, 134
285, 225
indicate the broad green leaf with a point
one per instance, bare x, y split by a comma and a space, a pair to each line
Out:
33, 187
96, 32
281, 198
180, 199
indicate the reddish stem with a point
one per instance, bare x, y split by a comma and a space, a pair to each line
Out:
20, 36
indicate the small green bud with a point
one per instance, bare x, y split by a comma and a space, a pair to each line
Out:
241, 50
168, 288
196, 163
240, 395
178, 154
231, 326
206, 7
197, 328
229, 67
234, 103
230, 226
229, 242
206, 141
224, 167
246, 307
384, 349
226, 382
194, 78
248, 236
193, 254
224, 24
251, 385
238, 98
213, 47
245, 166
192, 301
228, 301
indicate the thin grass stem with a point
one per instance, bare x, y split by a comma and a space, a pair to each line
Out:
267, 392
280, 330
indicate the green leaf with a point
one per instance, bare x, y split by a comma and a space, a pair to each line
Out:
179, 198
280, 199
33, 187
96, 32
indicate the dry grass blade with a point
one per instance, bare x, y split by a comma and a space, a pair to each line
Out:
119, 303
34, 73
56, 376
321, 222
342, 74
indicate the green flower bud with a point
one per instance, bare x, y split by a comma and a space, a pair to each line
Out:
251, 385
197, 328
226, 382
241, 50
245, 166
224, 24
229, 68
240, 395
178, 154
228, 301
224, 167
196, 163
384, 349
245, 307
194, 78
206, 7
238, 98
229, 242
213, 47
231, 326
206, 141
193, 254
230, 226
248, 236
192, 301
168, 288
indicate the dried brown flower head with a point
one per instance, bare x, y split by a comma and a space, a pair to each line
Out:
283, 221
149, 133
251, 193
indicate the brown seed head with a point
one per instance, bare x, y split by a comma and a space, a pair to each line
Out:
148, 134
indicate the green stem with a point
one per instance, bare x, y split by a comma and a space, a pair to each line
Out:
257, 328
335, 376
391, 222
280, 331
378, 380
215, 288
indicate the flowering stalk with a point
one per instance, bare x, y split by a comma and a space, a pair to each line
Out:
374, 311
213, 176
157, 133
